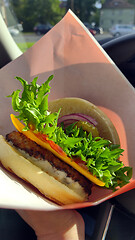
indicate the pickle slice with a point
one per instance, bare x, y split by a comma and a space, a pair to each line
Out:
88, 127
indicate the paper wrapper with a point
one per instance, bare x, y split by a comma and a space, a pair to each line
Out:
81, 69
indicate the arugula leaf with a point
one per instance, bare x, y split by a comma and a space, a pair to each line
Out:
43, 89
16, 100
26, 93
43, 106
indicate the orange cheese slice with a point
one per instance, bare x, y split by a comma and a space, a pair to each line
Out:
19, 126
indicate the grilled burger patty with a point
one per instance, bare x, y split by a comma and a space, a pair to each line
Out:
47, 161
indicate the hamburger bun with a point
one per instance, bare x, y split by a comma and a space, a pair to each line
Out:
77, 105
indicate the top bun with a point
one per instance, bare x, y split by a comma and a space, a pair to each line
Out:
77, 105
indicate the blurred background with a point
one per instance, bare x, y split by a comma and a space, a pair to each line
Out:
29, 20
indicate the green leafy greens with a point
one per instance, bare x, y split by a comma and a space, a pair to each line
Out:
99, 155
32, 106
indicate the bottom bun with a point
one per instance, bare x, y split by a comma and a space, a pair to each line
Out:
46, 184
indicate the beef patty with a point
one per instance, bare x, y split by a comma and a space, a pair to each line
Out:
42, 155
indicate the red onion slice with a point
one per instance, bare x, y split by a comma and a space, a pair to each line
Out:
67, 122
74, 117
91, 120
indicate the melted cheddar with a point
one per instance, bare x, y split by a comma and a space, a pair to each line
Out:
19, 126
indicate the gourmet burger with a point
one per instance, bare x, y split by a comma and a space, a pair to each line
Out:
62, 147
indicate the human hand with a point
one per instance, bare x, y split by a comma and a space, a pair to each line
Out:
58, 224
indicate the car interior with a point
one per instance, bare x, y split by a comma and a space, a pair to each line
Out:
108, 220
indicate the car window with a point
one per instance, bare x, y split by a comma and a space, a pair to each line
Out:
27, 21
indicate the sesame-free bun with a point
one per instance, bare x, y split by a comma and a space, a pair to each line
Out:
77, 105
14, 162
